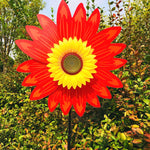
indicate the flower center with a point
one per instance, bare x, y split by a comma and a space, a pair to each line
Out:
71, 63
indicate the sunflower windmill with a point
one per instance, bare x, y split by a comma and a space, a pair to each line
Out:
71, 62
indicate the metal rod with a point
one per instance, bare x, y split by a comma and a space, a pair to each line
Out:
69, 131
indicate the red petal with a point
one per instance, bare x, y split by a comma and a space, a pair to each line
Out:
44, 89
54, 99
79, 101
36, 78
63, 20
30, 80
104, 37
36, 66
92, 98
104, 51
49, 27
78, 24
92, 24
25, 66
41, 37
112, 64
109, 79
101, 90
31, 66
33, 50
65, 101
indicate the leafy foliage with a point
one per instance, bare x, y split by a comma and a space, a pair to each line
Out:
122, 123
14, 15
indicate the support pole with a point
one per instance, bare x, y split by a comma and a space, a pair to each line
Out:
69, 131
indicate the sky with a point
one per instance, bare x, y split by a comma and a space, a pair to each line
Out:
72, 5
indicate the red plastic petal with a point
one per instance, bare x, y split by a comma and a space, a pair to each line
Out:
49, 27
25, 66
79, 101
31, 66
92, 98
104, 51
109, 79
63, 20
65, 101
44, 89
33, 50
104, 37
101, 90
36, 77
112, 64
54, 100
41, 37
78, 24
36, 66
92, 25
30, 80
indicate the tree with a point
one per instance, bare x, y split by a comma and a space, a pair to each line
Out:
14, 15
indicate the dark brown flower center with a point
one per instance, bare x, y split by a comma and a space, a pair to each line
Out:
71, 63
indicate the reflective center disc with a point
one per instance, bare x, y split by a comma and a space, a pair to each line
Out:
71, 63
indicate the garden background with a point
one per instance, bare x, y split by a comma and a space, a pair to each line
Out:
122, 123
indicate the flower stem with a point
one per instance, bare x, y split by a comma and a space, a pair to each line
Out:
69, 131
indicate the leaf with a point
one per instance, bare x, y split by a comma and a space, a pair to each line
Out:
147, 58
147, 79
87, 7
137, 141
147, 140
75, 127
133, 117
148, 91
148, 115
78, 145
148, 123
139, 79
123, 136
21, 137
140, 131
147, 135
146, 101
130, 106
136, 129
111, 2
113, 8
135, 126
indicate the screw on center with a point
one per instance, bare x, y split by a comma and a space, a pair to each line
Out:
71, 63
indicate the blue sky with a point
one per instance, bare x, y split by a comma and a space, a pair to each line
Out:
72, 5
